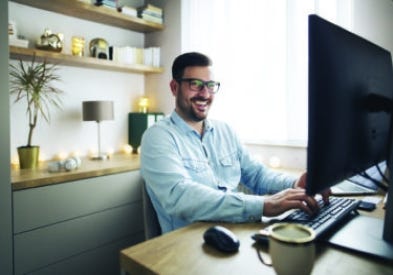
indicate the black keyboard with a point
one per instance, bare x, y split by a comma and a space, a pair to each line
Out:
328, 216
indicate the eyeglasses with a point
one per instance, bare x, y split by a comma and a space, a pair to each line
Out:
197, 85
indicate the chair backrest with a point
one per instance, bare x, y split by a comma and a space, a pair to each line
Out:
150, 219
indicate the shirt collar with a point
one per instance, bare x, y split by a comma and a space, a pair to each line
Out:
179, 121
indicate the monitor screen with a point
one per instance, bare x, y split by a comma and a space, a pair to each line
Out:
350, 101
350, 126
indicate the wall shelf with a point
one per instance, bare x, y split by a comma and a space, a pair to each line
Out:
93, 13
86, 62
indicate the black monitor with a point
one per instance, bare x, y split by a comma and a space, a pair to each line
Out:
350, 116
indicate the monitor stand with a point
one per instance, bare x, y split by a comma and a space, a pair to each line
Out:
362, 234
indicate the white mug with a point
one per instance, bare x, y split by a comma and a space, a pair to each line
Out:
291, 248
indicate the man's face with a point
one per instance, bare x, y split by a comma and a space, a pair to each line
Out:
193, 106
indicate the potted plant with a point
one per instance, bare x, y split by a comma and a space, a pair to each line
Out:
31, 83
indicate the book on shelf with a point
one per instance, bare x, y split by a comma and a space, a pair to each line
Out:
134, 55
128, 11
112, 4
151, 8
151, 13
151, 18
23, 43
87, 1
151, 56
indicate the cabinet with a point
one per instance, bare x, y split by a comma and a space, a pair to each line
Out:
92, 13
77, 227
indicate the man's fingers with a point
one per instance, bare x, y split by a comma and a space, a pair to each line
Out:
297, 198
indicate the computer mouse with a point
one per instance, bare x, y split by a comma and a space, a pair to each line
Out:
221, 239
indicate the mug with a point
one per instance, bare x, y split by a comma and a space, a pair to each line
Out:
291, 248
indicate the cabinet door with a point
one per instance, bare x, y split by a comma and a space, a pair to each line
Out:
69, 239
37, 207
69, 222
101, 261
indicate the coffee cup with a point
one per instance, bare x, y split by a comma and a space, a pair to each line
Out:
291, 248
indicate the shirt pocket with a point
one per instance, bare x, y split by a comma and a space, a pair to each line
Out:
229, 160
195, 166
229, 169
199, 171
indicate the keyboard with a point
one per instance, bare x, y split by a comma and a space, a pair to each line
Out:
328, 216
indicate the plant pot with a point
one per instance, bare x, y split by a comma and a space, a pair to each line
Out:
28, 156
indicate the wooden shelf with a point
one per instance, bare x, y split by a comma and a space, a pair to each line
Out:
86, 62
93, 13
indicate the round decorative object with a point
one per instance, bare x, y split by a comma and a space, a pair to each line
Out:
77, 160
70, 164
54, 166
49, 41
99, 48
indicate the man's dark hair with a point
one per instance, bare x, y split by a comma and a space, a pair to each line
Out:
188, 60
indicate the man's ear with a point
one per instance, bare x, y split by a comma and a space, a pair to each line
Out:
174, 87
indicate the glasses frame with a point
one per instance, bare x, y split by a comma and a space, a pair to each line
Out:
205, 84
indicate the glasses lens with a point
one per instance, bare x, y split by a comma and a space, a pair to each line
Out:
196, 85
211, 85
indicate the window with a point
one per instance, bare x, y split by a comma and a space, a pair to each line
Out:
259, 51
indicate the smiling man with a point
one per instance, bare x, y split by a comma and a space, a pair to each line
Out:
192, 166
193, 106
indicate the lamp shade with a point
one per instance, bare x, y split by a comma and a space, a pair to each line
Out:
97, 110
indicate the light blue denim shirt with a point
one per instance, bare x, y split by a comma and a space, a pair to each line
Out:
192, 178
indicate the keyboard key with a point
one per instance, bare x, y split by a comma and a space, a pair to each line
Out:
329, 214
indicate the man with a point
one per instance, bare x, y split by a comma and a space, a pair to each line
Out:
192, 166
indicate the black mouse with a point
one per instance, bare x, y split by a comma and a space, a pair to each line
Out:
221, 238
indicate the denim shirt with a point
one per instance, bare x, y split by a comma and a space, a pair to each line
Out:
191, 178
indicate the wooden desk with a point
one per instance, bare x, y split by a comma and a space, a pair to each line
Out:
183, 252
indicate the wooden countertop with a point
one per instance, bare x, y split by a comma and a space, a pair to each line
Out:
29, 178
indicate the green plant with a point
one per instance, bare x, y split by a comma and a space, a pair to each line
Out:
32, 83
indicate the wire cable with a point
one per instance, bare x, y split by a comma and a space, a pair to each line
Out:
376, 182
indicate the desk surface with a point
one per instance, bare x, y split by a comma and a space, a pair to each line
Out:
183, 252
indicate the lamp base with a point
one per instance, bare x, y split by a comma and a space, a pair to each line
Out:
100, 157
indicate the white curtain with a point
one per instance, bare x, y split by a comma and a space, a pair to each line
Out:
259, 51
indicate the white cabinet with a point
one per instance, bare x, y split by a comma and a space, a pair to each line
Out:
77, 227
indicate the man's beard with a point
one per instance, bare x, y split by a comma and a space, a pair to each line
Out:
190, 110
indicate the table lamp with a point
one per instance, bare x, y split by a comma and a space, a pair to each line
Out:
98, 111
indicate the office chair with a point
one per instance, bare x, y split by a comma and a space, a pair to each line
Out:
150, 219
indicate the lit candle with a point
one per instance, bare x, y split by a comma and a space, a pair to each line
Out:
143, 104
127, 149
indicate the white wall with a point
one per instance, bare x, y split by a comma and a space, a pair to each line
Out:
372, 19
157, 86
67, 133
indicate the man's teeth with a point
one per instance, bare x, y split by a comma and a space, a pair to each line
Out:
199, 102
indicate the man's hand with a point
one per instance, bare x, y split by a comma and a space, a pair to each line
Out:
301, 183
295, 198
287, 199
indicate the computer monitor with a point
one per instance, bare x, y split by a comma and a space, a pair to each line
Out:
350, 112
